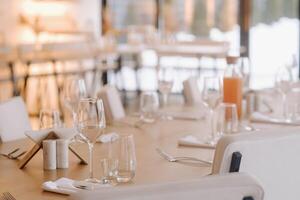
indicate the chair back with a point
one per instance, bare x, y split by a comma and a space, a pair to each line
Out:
14, 120
221, 187
191, 92
113, 106
271, 156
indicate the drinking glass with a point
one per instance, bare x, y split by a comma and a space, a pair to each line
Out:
50, 119
149, 104
245, 67
74, 89
90, 124
283, 81
293, 105
227, 119
212, 96
165, 85
124, 154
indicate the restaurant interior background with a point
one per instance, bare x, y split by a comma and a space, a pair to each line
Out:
270, 37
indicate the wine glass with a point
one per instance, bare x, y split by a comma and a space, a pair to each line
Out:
245, 67
165, 85
283, 82
74, 89
212, 96
90, 124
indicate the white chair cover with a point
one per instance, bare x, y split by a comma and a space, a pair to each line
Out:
14, 120
225, 187
113, 107
191, 91
271, 156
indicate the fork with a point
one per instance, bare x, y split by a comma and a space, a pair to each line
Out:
10, 153
8, 196
170, 158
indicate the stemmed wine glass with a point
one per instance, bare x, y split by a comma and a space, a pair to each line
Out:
212, 96
165, 85
74, 89
283, 81
90, 124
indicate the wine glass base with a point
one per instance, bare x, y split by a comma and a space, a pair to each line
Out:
89, 184
166, 117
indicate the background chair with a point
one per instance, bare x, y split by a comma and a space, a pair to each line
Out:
224, 187
113, 107
191, 92
14, 119
272, 157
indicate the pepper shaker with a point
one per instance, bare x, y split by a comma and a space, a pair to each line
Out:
62, 150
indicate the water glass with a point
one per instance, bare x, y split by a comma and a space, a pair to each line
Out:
293, 105
124, 153
50, 119
149, 104
227, 119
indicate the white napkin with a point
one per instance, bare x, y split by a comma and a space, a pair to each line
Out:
65, 186
108, 137
191, 91
261, 118
62, 133
193, 141
61, 186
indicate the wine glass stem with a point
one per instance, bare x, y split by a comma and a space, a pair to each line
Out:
74, 116
91, 174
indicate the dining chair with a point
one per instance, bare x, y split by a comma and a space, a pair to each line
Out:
113, 106
191, 92
235, 186
14, 119
271, 156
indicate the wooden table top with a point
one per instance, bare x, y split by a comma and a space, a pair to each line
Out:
151, 168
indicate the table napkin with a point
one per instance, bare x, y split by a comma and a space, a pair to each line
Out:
65, 186
62, 133
261, 118
108, 137
192, 141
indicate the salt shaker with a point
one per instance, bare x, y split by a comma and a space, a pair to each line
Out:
62, 150
49, 154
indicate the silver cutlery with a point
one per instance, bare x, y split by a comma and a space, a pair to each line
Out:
8, 196
10, 153
170, 158
13, 157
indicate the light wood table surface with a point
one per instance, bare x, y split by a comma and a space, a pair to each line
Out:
151, 168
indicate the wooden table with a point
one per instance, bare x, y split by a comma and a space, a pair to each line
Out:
151, 168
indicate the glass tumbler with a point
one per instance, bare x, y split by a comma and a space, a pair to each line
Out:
124, 153
50, 119
149, 104
227, 119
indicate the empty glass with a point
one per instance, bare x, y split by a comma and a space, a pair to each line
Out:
74, 89
227, 119
124, 154
212, 95
165, 85
50, 119
149, 104
90, 124
283, 81
293, 105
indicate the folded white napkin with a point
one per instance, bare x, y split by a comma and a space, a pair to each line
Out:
261, 118
66, 186
62, 133
192, 141
108, 137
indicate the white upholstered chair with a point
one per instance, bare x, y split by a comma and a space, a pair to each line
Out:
191, 92
14, 119
234, 186
113, 107
271, 156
